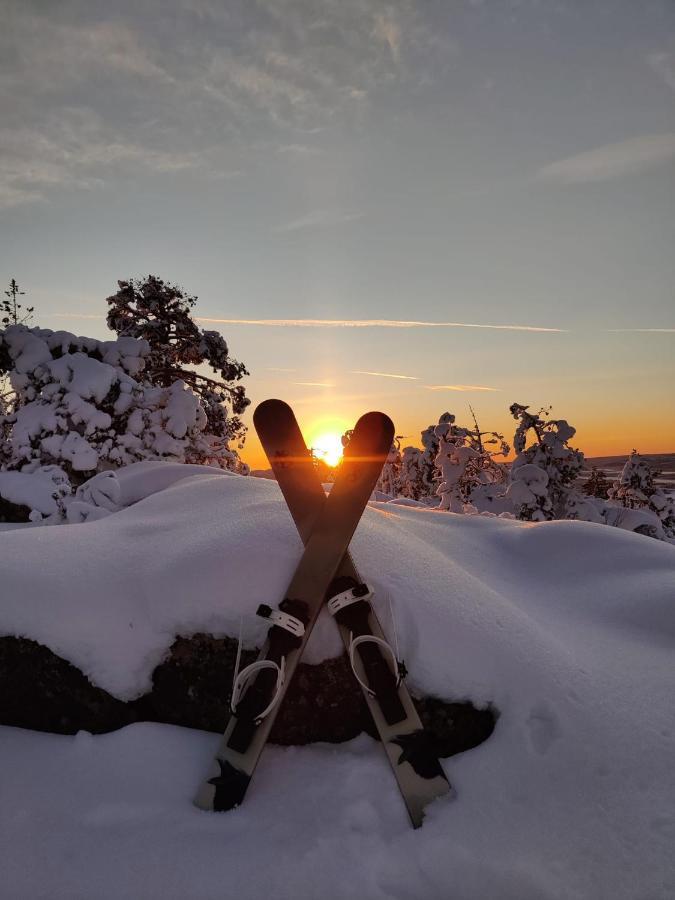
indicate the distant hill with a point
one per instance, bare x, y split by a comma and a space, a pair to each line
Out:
612, 465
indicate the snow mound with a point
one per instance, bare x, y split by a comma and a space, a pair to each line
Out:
567, 627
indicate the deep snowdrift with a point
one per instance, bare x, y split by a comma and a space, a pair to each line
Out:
567, 627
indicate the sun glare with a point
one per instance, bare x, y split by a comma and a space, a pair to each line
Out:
328, 447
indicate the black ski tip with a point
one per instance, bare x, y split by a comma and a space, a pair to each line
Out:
380, 429
230, 786
271, 407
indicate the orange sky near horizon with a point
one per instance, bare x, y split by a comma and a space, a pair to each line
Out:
647, 434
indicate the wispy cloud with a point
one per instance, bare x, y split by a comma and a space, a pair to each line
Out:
324, 384
386, 375
319, 218
642, 330
199, 80
71, 315
73, 149
372, 323
459, 387
279, 369
611, 160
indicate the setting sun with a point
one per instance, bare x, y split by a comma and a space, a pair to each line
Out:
328, 447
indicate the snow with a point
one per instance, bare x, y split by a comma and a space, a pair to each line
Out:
567, 627
36, 490
80, 406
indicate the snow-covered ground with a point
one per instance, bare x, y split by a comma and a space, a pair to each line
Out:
567, 627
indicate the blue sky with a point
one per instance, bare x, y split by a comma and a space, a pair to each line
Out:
487, 163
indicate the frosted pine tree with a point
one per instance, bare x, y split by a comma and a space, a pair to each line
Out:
418, 477
423, 471
466, 462
82, 406
160, 313
453, 457
410, 474
635, 485
636, 489
389, 480
543, 474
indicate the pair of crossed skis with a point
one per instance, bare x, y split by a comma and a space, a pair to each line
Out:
327, 573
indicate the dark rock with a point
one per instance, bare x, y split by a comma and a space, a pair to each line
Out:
42, 691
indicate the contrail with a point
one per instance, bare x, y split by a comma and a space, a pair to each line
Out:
459, 387
369, 323
356, 323
387, 375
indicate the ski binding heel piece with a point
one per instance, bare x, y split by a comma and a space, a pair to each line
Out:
242, 679
282, 619
399, 665
346, 598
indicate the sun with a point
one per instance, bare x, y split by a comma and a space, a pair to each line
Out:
328, 446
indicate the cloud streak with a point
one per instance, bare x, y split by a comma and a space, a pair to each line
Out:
460, 387
641, 330
387, 375
319, 218
372, 323
611, 160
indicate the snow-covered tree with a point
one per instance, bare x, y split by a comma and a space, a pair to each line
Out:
445, 451
636, 489
453, 457
411, 482
83, 406
543, 474
160, 314
389, 480
13, 313
635, 484
418, 476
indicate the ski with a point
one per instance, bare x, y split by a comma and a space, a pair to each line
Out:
259, 689
416, 767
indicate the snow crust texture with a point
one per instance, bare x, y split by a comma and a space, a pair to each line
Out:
567, 627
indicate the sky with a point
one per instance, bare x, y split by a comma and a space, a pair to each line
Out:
475, 197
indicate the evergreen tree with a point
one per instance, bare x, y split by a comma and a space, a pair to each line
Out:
597, 484
636, 489
160, 313
14, 313
543, 474
445, 447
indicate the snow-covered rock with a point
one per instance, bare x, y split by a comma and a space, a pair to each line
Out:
567, 627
